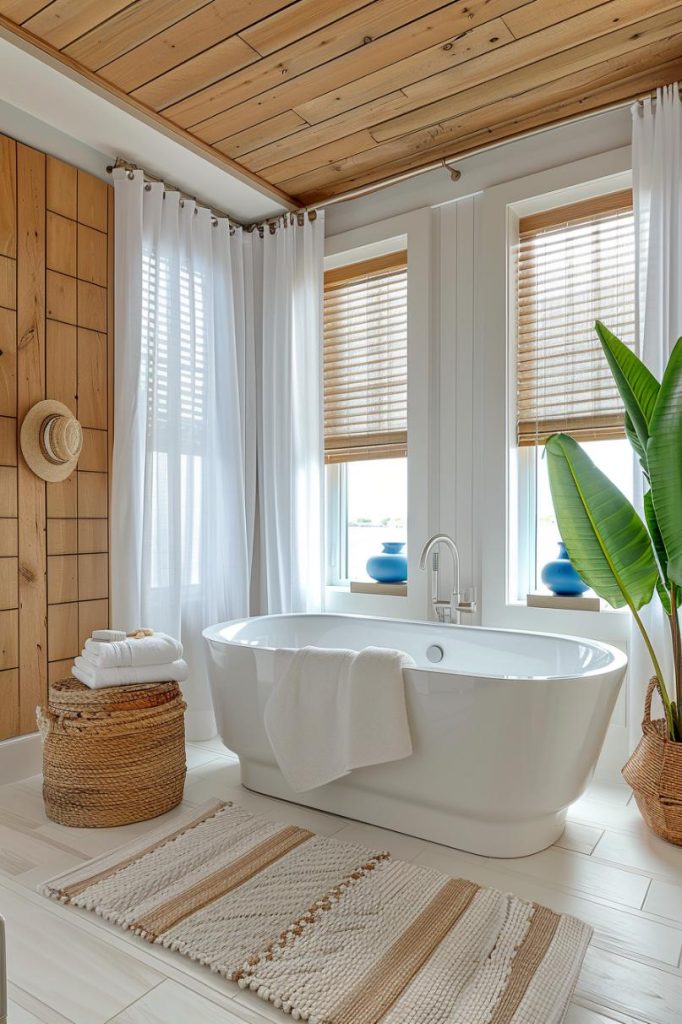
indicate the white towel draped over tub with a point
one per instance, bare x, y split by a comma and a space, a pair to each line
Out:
331, 711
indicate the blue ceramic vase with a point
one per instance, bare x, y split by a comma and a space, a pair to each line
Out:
560, 576
389, 567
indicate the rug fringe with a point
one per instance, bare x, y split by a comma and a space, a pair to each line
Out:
54, 887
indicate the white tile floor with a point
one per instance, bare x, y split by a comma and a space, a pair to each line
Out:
69, 967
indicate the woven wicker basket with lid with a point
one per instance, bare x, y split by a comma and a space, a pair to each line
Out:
112, 756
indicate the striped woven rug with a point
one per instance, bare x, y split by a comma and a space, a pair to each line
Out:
330, 932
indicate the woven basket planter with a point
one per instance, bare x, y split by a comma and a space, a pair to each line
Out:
654, 772
112, 756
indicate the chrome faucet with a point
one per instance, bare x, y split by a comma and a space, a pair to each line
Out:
446, 611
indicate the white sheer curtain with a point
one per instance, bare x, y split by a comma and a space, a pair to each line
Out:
289, 266
180, 516
657, 184
216, 497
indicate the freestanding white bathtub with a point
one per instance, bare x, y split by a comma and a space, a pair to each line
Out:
506, 728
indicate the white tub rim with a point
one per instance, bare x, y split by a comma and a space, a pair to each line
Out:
619, 658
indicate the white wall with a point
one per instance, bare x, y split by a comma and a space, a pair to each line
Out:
461, 369
43, 88
28, 129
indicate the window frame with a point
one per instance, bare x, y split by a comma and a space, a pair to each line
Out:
411, 231
522, 570
607, 218
336, 469
498, 209
154, 268
343, 440
336, 532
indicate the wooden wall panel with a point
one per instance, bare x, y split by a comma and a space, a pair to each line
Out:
56, 263
8, 197
9, 674
31, 231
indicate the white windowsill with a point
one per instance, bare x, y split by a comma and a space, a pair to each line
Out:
574, 603
605, 609
377, 589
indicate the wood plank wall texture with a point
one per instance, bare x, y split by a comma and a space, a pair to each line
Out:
56, 271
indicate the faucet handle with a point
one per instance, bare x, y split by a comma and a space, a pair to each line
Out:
443, 610
467, 603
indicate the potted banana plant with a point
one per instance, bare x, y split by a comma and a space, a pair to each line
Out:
628, 560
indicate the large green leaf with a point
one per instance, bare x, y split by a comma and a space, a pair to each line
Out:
605, 538
637, 386
662, 583
636, 444
664, 461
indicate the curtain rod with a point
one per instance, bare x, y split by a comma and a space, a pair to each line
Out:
364, 190
271, 223
446, 162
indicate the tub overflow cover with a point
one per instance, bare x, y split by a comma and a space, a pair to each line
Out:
434, 653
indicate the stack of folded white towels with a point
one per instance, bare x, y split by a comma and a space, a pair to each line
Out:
112, 657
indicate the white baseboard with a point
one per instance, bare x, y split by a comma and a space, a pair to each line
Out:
20, 758
200, 725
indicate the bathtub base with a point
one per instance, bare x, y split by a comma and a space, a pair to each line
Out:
485, 838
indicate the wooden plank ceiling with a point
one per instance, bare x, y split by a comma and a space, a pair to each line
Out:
319, 97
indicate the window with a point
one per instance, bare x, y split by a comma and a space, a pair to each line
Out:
575, 264
165, 312
365, 411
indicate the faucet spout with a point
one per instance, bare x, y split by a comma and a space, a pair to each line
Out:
454, 606
435, 542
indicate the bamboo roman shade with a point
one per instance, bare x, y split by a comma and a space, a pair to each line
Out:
576, 264
365, 360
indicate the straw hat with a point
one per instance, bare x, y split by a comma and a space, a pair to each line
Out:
51, 440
